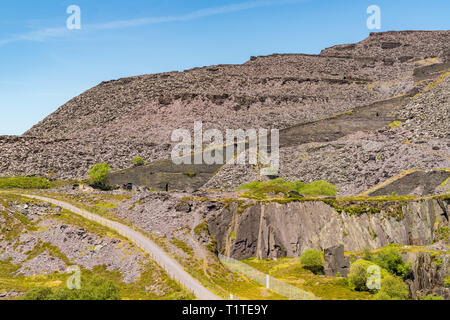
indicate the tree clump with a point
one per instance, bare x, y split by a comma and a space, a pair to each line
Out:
390, 259
99, 176
312, 260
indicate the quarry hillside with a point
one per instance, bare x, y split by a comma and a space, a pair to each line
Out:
364, 179
355, 115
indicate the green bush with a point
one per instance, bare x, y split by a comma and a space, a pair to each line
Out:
99, 175
24, 183
280, 185
138, 161
312, 260
96, 289
390, 259
358, 275
392, 288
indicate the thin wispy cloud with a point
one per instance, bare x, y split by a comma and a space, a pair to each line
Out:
38, 35
48, 33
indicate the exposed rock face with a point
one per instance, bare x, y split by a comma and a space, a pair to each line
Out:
278, 230
428, 274
335, 262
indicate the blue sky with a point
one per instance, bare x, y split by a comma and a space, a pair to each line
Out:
43, 65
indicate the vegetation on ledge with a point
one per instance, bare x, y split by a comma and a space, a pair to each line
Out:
259, 190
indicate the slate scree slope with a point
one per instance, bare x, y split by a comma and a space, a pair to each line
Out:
333, 109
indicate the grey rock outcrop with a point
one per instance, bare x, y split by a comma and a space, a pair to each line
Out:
278, 230
428, 274
335, 263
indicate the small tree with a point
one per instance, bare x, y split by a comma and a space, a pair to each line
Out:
312, 260
137, 162
99, 175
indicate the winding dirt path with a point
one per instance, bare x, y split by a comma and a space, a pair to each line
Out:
170, 265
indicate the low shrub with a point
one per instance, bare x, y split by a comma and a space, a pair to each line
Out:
138, 162
312, 260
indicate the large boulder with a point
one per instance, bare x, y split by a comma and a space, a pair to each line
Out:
335, 263
183, 206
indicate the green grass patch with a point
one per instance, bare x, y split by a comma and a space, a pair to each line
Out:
395, 124
259, 190
183, 246
25, 183
42, 247
106, 205
201, 228
290, 270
